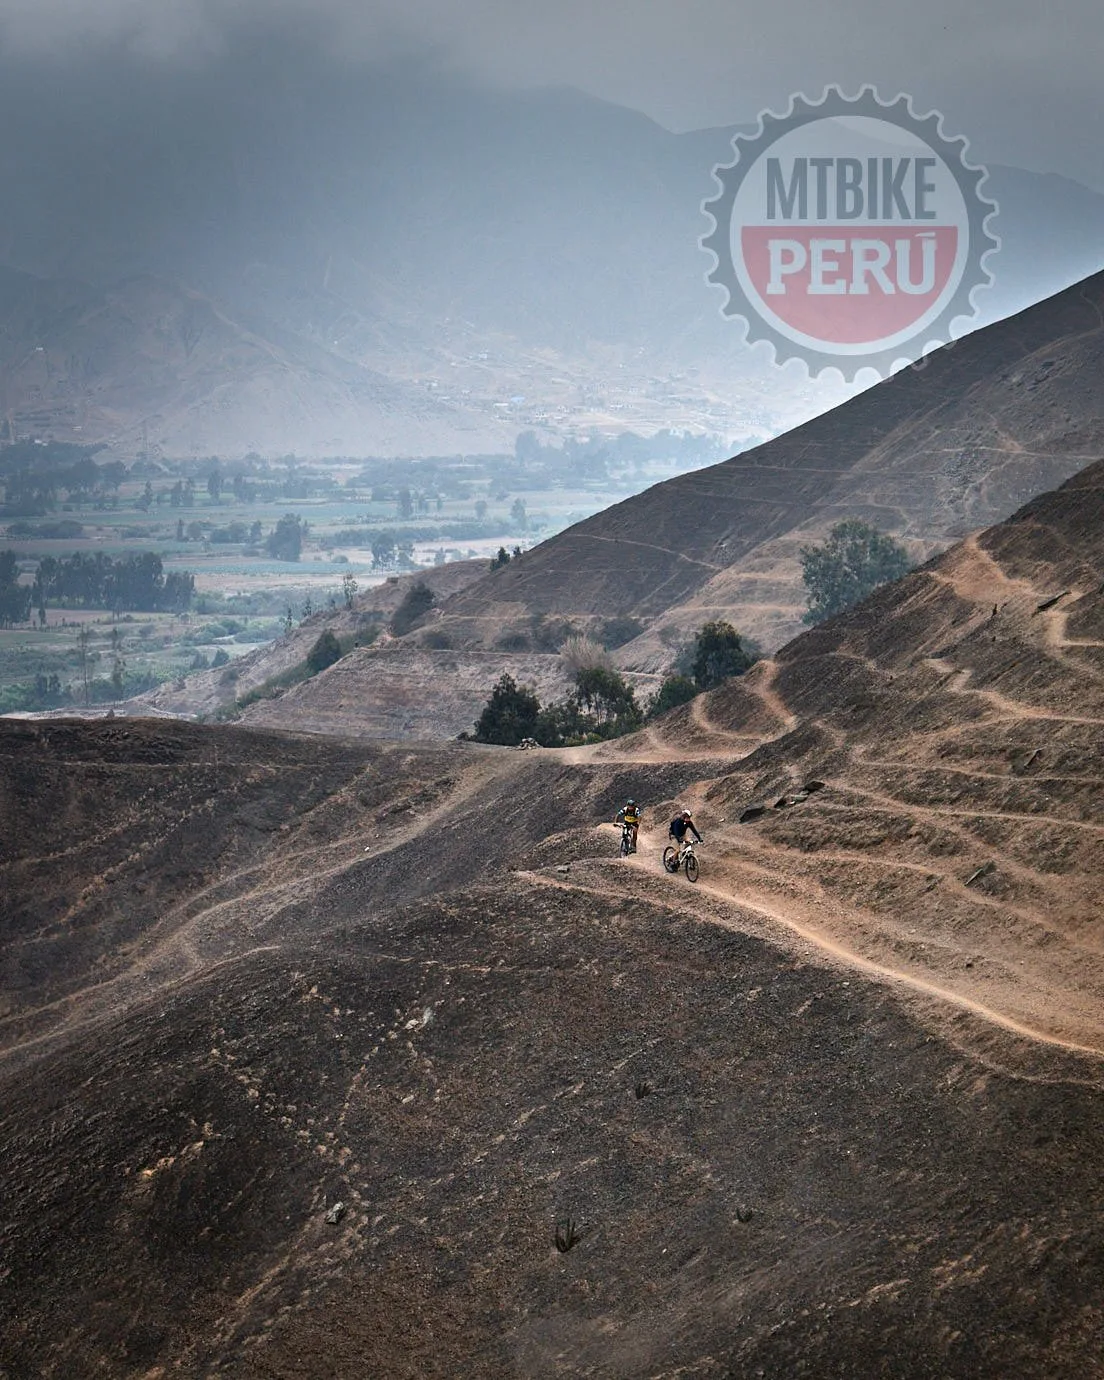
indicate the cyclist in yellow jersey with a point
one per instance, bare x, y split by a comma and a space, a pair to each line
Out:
629, 814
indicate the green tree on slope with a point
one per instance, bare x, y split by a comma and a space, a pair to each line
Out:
850, 565
509, 715
718, 654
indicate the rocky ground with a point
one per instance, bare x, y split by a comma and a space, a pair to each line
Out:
313, 1047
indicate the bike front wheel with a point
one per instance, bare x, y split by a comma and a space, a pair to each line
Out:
624, 845
691, 868
670, 859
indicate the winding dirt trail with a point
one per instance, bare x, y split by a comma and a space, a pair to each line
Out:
684, 903
763, 686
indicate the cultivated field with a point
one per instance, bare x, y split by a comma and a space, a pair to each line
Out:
358, 523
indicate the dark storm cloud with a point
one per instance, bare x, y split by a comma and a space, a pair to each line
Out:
1018, 77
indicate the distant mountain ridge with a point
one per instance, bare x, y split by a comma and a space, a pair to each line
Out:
379, 265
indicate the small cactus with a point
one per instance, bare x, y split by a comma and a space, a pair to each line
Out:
642, 1090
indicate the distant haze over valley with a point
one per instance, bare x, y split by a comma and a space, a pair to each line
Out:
270, 253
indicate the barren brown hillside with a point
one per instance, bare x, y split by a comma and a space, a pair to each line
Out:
311, 1046
956, 721
207, 692
930, 454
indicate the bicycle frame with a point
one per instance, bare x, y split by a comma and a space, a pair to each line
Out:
683, 858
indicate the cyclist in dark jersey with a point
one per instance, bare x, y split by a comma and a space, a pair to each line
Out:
680, 825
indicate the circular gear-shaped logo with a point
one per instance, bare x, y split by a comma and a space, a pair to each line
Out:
850, 232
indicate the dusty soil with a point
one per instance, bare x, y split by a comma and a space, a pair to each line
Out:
836, 1110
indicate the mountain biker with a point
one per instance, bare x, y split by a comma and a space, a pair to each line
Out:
680, 825
629, 814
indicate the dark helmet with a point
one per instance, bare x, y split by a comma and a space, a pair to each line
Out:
630, 802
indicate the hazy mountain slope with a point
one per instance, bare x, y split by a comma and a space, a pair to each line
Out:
835, 1110
927, 455
358, 235
85, 362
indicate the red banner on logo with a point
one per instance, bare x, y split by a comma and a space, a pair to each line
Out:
849, 285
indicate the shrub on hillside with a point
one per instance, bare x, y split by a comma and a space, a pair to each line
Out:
602, 705
416, 603
549, 634
324, 653
584, 654
674, 691
606, 697
719, 653
510, 714
848, 567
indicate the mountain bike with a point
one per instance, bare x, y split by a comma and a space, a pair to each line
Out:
627, 846
685, 856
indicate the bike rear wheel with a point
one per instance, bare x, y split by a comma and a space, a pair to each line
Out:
691, 868
670, 859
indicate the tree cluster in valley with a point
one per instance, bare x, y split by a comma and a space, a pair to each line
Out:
603, 704
33, 474
15, 598
97, 581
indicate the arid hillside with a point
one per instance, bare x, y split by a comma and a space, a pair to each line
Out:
312, 1048
384, 687
930, 454
204, 693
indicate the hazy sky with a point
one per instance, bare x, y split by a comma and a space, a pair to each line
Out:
1020, 78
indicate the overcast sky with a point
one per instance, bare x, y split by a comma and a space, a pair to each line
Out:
1020, 78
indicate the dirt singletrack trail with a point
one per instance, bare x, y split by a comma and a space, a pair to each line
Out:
207, 927
648, 546
784, 925
943, 863
761, 681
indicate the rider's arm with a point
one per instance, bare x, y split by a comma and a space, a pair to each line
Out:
694, 827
